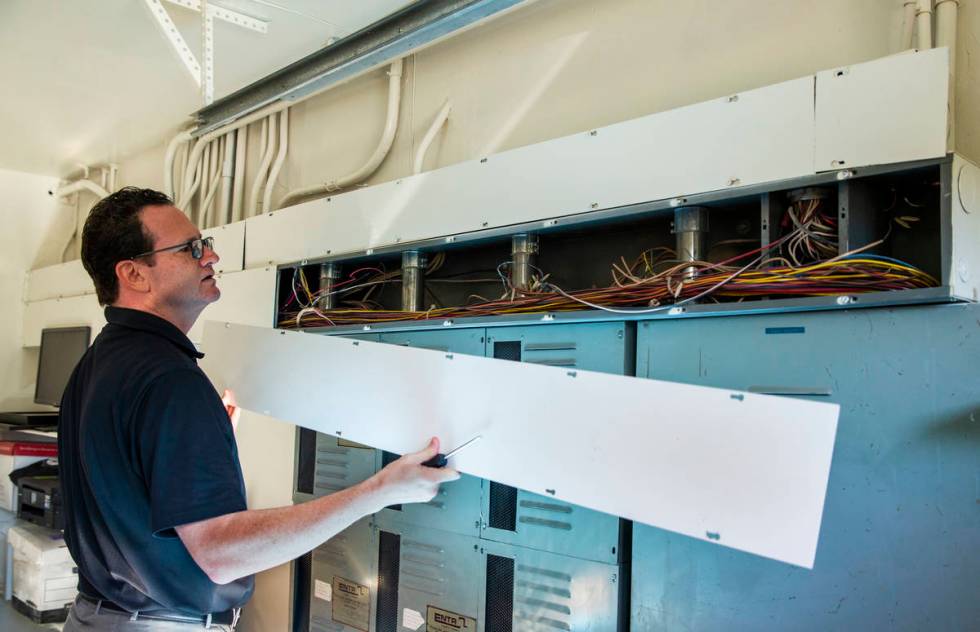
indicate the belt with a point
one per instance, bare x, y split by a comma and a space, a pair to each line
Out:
228, 617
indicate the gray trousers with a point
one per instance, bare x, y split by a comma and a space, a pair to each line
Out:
83, 617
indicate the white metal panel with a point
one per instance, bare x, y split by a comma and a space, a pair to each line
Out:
883, 111
229, 243
757, 136
61, 312
743, 470
964, 277
61, 280
247, 297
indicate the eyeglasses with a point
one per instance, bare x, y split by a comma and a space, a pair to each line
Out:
195, 247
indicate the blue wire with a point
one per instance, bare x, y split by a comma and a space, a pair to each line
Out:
880, 258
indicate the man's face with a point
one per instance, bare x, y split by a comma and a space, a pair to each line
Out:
177, 280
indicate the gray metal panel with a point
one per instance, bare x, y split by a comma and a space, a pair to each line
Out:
351, 555
557, 592
438, 569
341, 464
902, 517
542, 522
468, 341
594, 346
457, 506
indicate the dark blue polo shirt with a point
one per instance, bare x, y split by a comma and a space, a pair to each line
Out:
145, 445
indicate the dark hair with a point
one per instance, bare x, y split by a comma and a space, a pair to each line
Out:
114, 232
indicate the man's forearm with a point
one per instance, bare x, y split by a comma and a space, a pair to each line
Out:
235, 545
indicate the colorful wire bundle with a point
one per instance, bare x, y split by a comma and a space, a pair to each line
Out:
845, 275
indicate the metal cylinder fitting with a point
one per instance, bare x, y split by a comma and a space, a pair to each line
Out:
523, 251
808, 193
329, 273
691, 230
413, 277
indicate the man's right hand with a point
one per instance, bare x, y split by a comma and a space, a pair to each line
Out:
408, 481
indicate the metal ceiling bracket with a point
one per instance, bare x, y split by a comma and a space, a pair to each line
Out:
413, 28
176, 40
228, 15
202, 76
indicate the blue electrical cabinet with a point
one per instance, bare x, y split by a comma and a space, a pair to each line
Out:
427, 580
456, 507
518, 517
530, 590
901, 525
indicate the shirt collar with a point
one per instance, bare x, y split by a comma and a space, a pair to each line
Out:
145, 321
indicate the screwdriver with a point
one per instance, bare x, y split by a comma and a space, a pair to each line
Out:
440, 460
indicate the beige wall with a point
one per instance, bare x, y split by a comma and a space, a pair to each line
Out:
32, 236
561, 66
555, 68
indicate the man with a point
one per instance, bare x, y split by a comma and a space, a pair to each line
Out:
153, 493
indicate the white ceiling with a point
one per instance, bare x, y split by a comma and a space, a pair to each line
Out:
95, 80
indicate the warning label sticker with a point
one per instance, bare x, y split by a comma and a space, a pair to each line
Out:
351, 604
322, 590
439, 620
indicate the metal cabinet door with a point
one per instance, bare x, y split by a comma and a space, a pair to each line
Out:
529, 590
519, 517
343, 588
902, 510
456, 508
429, 578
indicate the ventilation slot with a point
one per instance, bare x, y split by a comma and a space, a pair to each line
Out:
503, 507
386, 458
507, 350
306, 467
500, 594
389, 553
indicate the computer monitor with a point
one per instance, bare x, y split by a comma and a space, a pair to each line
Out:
61, 349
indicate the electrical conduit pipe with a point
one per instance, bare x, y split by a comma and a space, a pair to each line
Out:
430, 135
372, 164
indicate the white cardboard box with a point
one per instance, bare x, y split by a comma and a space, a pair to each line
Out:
45, 576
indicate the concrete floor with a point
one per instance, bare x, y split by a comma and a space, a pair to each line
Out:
13, 621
